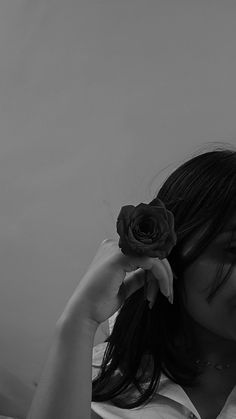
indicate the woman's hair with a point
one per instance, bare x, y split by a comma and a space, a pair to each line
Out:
144, 343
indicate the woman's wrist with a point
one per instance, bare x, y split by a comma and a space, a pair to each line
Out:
70, 328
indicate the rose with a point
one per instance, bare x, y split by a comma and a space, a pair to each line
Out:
146, 229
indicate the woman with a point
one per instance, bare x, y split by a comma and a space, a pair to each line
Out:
177, 359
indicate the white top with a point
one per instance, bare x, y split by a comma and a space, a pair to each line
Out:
170, 402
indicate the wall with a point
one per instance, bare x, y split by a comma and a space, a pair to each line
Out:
96, 97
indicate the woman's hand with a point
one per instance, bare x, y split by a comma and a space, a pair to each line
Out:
106, 285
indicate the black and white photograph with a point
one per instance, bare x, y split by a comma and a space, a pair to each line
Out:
118, 209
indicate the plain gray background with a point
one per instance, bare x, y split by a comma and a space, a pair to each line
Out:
96, 97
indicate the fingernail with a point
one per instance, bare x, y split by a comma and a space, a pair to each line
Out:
170, 298
150, 305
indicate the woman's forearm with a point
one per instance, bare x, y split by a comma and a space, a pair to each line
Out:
65, 386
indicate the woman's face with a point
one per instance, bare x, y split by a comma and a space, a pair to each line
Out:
219, 315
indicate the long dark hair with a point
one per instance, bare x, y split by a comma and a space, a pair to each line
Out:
201, 193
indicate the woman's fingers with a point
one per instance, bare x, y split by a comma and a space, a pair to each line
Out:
170, 274
133, 281
152, 288
160, 276
161, 272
